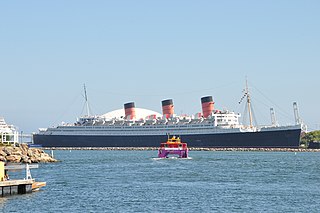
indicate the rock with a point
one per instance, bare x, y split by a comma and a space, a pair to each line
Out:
8, 150
16, 152
34, 160
30, 153
24, 154
2, 153
13, 158
25, 159
44, 157
24, 147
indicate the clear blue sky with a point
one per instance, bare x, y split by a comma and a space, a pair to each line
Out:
147, 51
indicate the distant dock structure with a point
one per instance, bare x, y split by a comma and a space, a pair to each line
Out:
13, 187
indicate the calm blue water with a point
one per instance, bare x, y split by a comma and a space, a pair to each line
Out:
131, 181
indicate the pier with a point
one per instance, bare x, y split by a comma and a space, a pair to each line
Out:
14, 187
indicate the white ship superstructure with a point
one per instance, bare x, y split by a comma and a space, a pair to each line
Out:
8, 133
219, 122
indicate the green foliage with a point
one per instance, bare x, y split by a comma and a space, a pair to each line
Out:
311, 136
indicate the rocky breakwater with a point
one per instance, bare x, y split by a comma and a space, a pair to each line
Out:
24, 154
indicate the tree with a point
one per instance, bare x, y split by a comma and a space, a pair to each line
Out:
310, 137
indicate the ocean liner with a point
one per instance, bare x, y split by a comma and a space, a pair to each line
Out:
136, 127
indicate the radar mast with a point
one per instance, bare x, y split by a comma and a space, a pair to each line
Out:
247, 96
86, 100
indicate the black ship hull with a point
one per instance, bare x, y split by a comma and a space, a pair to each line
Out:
314, 145
262, 139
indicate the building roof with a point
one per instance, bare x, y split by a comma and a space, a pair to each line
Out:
140, 113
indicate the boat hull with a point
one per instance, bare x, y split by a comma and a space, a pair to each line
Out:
314, 145
264, 139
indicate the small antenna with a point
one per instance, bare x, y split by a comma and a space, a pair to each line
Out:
86, 99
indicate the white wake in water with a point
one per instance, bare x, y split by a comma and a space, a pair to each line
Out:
172, 158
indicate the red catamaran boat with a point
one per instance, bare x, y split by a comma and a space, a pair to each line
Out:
173, 146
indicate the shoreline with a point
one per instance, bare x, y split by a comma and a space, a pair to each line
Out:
24, 154
190, 149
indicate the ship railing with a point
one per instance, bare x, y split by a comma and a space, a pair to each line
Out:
151, 131
134, 127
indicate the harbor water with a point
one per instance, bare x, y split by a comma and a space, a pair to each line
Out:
135, 181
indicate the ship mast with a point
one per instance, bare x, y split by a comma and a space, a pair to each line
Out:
247, 95
297, 117
86, 99
248, 103
296, 113
273, 117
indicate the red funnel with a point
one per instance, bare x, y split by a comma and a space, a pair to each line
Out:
207, 106
130, 112
167, 108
